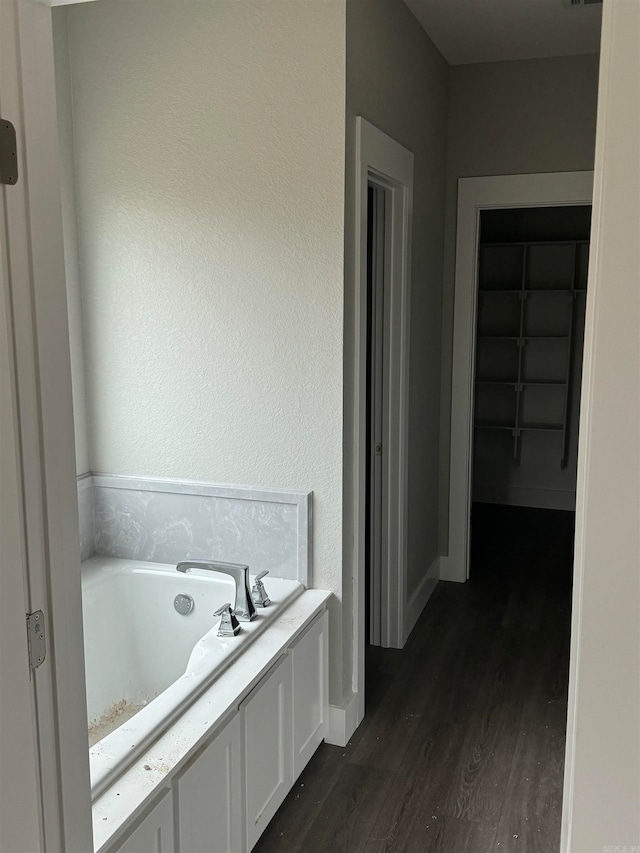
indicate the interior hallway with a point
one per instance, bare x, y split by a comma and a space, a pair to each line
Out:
462, 748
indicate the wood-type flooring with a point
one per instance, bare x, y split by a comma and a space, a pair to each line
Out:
462, 746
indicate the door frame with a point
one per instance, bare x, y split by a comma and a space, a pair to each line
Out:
45, 430
552, 189
21, 813
386, 163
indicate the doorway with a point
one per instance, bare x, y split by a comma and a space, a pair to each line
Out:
475, 196
531, 293
383, 205
376, 557
529, 331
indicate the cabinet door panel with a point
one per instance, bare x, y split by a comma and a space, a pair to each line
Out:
309, 693
268, 748
155, 833
210, 796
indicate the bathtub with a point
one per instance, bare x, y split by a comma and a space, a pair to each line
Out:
145, 662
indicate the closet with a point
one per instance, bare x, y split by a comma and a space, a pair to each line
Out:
532, 279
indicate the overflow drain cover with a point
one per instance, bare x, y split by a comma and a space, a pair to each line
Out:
184, 604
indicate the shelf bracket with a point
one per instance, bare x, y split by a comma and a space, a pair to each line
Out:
8, 153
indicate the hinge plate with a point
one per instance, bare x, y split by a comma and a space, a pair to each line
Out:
8, 153
36, 638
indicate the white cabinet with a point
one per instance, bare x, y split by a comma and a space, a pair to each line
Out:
155, 833
268, 748
210, 796
222, 799
310, 687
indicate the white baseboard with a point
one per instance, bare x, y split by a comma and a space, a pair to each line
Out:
449, 571
418, 599
343, 721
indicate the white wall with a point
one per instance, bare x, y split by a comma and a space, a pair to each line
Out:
209, 142
398, 81
509, 118
68, 197
602, 775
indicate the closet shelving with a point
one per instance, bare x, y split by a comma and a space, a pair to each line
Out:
525, 328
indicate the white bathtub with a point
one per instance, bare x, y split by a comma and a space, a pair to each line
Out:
141, 653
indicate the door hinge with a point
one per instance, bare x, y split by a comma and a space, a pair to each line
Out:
36, 639
8, 153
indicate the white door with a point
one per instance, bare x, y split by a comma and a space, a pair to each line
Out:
268, 748
310, 692
156, 832
210, 795
44, 717
19, 783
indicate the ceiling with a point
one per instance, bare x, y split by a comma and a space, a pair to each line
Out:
466, 31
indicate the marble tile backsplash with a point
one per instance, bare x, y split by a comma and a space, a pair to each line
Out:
86, 516
166, 521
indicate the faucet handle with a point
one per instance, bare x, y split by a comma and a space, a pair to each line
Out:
258, 593
229, 626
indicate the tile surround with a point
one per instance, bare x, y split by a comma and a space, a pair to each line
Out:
86, 517
165, 521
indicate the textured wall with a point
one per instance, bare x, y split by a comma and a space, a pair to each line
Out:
397, 80
601, 802
210, 175
68, 195
509, 118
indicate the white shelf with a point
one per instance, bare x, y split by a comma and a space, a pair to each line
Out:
556, 272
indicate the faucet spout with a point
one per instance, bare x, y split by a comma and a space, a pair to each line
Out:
245, 610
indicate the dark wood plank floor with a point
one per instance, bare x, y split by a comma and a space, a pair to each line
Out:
462, 748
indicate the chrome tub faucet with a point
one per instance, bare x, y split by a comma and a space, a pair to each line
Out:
245, 610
